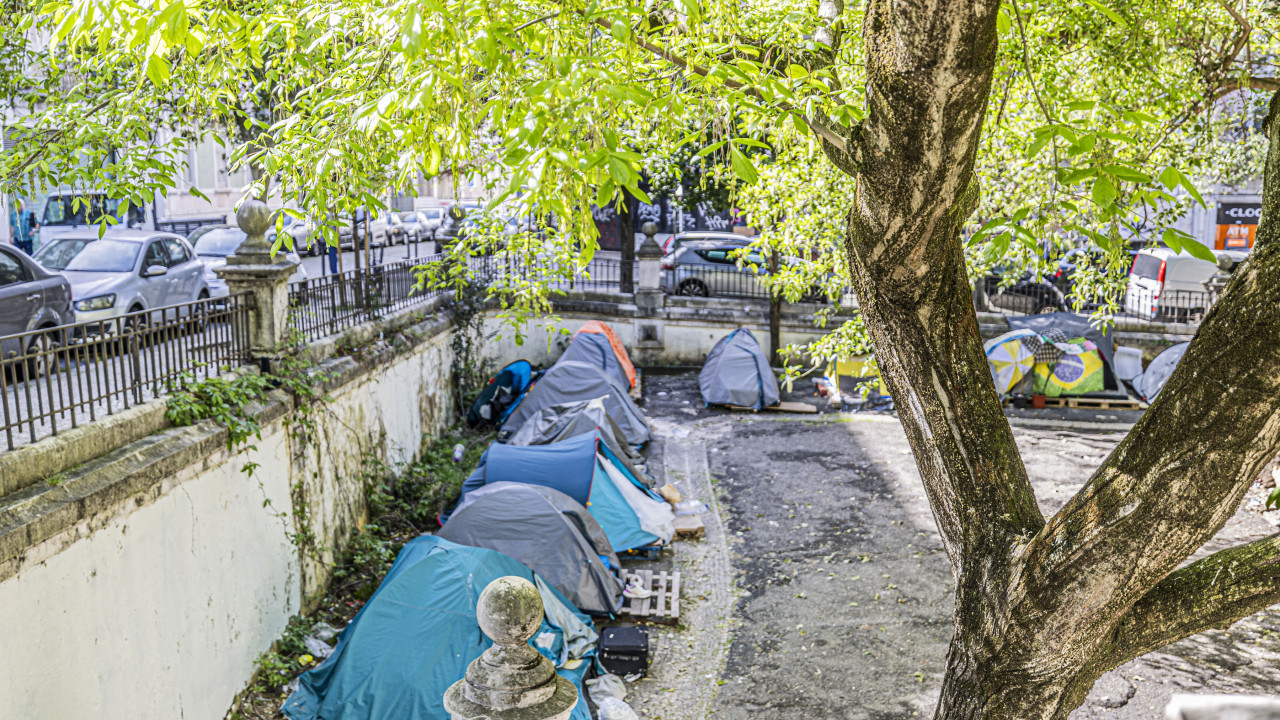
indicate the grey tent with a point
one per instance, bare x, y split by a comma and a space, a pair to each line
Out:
594, 349
737, 372
1151, 382
1073, 326
566, 420
570, 381
548, 531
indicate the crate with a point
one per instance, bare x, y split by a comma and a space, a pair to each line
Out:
663, 603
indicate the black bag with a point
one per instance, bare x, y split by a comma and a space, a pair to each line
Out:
625, 650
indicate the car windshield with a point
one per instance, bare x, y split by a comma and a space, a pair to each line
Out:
83, 210
57, 254
408, 217
98, 256
219, 243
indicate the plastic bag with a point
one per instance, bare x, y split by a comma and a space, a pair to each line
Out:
614, 709
605, 687
317, 641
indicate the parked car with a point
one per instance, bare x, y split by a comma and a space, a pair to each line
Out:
1027, 295
125, 271
709, 268
1168, 285
378, 228
406, 227
674, 242
432, 218
214, 243
31, 298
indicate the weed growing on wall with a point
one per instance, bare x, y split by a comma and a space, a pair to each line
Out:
471, 368
400, 509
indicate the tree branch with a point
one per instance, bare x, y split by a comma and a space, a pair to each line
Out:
1210, 593
827, 133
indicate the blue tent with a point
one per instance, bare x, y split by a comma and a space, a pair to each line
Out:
417, 634
583, 468
502, 394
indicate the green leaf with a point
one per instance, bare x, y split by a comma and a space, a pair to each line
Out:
1078, 175
1198, 249
1082, 105
1135, 116
1114, 16
1003, 23
620, 31
1173, 177
1127, 173
1104, 193
1039, 144
742, 166
795, 72
157, 70
1173, 239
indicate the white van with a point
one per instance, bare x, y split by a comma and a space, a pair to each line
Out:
1168, 285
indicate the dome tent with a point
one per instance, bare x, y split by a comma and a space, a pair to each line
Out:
501, 394
570, 381
1152, 380
631, 515
561, 422
738, 373
598, 348
418, 632
549, 532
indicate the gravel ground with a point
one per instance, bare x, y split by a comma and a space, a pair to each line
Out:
842, 602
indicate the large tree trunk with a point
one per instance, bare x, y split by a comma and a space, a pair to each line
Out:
1042, 609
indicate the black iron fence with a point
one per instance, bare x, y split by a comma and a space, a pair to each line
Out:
1170, 306
600, 274
330, 304
55, 379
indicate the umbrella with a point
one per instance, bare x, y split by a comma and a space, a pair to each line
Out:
1010, 359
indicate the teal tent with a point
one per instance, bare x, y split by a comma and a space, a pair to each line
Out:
418, 632
584, 468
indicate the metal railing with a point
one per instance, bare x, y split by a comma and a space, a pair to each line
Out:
701, 281
54, 379
186, 226
1172, 306
600, 274
328, 305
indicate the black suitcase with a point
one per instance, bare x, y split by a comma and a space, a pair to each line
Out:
625, 650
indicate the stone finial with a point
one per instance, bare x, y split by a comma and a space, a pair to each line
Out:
649, 249
254, 218
511, 680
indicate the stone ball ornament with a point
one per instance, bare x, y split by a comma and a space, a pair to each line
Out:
510, 680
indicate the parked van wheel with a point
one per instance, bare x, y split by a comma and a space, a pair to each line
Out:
693, 288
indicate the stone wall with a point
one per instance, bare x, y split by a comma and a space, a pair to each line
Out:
145, 582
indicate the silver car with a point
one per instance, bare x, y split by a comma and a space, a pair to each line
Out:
213, 243
125, 271
31, 298
705, 269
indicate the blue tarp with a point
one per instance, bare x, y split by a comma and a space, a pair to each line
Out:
572, 466
415, 638
502, 394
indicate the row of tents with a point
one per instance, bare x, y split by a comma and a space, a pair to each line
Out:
556, 499
1062, 354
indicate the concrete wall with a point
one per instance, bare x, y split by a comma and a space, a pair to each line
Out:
147, 581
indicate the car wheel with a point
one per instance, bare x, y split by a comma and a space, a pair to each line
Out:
198, 320
42, 357
693, 287
133, 327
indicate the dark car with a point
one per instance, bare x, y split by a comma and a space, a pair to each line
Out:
31, 298
1027, 295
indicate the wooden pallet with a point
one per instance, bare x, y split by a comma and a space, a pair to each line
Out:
1089, 403
663, 605
787, 407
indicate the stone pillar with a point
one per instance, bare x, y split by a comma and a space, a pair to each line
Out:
251, 269
649, 295
511, 680
650, 300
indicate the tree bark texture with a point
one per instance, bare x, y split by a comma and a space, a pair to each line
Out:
1043, 608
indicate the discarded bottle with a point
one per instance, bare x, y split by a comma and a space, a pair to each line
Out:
458, 450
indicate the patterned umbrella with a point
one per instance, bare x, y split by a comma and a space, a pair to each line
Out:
1010, 359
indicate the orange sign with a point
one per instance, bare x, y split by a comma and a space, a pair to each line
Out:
1235, 237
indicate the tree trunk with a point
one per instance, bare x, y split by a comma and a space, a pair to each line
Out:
775, 316
1044, 608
